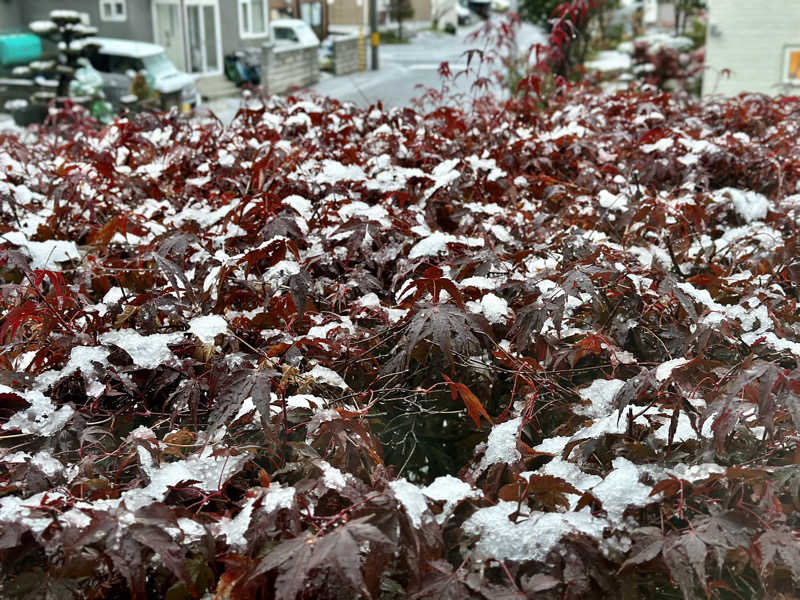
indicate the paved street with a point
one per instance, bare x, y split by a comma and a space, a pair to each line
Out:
403, 68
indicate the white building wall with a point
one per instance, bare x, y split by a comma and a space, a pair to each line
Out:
650, 9
750, 39
444, 11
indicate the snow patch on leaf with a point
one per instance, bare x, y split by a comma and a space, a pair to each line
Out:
529, 537
208, 327
44, 255
147, 351
412, 499
501, 447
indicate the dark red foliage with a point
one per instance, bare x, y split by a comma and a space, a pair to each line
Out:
545, 347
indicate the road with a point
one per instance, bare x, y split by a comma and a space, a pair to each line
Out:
404, 68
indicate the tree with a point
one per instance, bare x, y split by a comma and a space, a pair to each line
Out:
571, 33
538, 11
64, 29
400, 10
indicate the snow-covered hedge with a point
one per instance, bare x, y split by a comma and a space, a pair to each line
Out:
335, 353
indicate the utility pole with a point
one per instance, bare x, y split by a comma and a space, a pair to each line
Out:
375, 37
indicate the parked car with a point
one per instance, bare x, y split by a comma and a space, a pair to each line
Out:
500, 6
293, 30
480, 7
464, 14
118, 61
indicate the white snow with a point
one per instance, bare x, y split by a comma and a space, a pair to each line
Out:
569, 472
610, 60
334, 172
322, 331
571, 128
208, 327
42, 26
43, 460
225, 158
235, 528
451, 491
278, 497
486, 164
305, 401
390, 178
14, 509
200, 214
41, 417
661, 145
331, 476
147, 351
208, 470
531, 537
750, 206
621, 488
281, 270
113, 296
443, 174
482, 283
435, 243
412, 499
80, 358
753, 316
303, 207
44, 255
534, 533
612, 201
601, 394
664, 370
76, 518
494, 308
327, 376
501, 447
362, 209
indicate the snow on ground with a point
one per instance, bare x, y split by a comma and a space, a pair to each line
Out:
610, 60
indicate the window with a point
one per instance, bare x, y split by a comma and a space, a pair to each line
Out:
285, 33
113, 10
252, 18
791, 65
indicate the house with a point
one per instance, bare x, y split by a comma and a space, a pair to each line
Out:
436, 12
195, 33
353, 12
313, 12
426, 12
752, 47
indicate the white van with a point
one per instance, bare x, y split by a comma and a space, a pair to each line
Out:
117, 60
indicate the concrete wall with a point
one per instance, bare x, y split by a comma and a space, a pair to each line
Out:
750, 39
286, 66
345, 54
